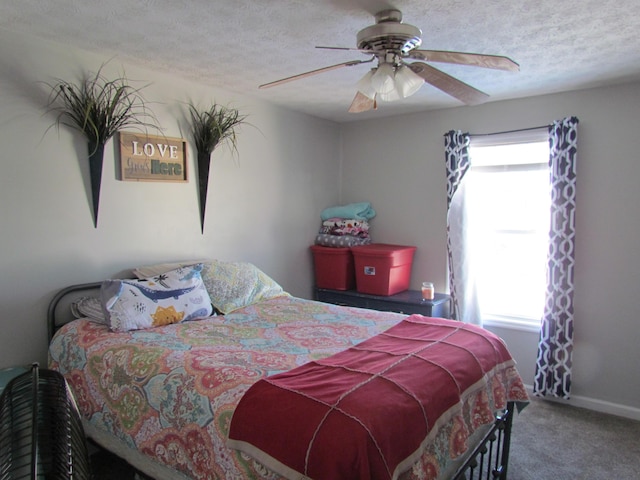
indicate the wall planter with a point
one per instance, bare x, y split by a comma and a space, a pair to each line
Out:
211, 128
98, 108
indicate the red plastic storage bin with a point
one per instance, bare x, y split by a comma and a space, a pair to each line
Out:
333, 267
382, 269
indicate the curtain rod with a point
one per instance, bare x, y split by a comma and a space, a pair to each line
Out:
508, 131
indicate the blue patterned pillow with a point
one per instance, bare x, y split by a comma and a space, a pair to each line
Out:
175, 296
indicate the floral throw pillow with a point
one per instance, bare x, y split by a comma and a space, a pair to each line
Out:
175, 296
233, 285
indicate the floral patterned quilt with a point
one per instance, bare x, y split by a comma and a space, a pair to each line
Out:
170, 391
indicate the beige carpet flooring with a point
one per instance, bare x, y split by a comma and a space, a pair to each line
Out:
554, 441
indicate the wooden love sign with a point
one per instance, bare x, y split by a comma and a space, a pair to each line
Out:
152, 158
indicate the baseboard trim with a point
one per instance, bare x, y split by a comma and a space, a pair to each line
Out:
594, 404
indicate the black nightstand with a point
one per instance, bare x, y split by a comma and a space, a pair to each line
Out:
409, 301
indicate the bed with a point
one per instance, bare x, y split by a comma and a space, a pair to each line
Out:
235, 394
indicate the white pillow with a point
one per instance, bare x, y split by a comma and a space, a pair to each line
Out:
175, 296
147, 271
88, 307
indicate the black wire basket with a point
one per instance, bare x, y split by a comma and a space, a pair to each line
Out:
41, 434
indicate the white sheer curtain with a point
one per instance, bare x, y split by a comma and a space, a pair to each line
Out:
462, 285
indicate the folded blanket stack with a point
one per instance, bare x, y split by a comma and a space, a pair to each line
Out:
346, 225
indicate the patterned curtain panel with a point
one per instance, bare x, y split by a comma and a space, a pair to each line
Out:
553, 365
464, 301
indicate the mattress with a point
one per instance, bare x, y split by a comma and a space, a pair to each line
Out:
163, 398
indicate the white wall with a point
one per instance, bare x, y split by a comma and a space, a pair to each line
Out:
398, 165
263, 208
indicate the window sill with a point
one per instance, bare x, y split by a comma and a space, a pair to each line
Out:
510, 323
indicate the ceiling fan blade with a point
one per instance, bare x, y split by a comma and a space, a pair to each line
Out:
338, 48
448, 84
349, 49
362, 103
314, 72
461, 58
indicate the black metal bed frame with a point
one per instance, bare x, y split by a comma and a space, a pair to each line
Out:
489, 459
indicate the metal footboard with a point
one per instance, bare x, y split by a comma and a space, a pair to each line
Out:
490, 459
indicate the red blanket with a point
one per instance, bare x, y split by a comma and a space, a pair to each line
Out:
367, 412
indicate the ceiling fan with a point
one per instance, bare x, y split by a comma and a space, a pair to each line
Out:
392, 43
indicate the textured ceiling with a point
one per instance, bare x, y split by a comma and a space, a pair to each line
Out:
237, 45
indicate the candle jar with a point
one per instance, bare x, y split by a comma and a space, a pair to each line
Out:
428, 291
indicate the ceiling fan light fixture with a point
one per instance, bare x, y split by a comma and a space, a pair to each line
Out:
383, 80
407, 81
365, 86
390, 96
389, 83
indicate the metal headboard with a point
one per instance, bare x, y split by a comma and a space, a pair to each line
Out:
59, 311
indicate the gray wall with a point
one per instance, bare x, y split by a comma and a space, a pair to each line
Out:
398, 164
262, 207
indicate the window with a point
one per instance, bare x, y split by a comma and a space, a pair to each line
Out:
509, 205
